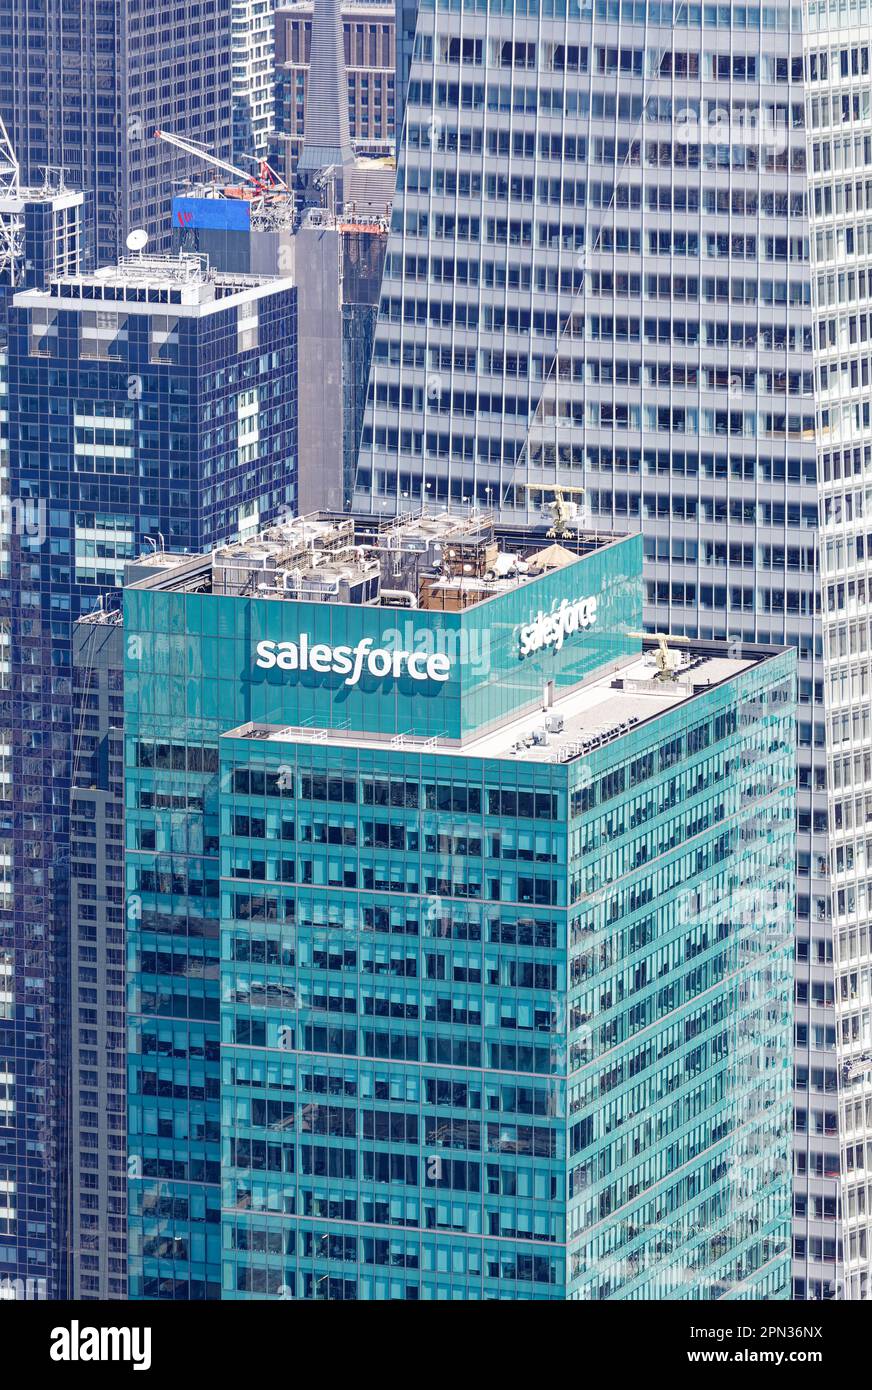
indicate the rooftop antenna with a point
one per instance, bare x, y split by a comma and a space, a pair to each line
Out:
53, 178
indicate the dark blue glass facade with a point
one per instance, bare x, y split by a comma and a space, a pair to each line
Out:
85, 86
133, 417
54, 240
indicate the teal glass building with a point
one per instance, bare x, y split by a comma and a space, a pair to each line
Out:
459, 931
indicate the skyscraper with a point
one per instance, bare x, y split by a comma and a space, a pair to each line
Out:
838, 55
597, 292
42, 233
97, 1085
149, 401
504, 1002
88, 85
253, 57
407, 17
335, 253
338, 264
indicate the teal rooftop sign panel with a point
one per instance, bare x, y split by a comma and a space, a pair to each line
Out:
196, 656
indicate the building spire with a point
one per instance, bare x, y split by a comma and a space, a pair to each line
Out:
327, 138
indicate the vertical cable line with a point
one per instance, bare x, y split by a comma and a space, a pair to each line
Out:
620, 174
506, 484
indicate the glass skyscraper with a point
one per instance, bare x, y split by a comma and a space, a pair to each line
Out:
598, 283
151, 402
459, 928
86, 85
42, 234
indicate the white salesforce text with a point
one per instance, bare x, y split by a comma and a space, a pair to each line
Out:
352, 662
552, 629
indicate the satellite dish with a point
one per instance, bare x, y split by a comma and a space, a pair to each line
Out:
137, 240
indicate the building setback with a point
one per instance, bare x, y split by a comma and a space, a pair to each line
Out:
597, 285
150, 403
470, 976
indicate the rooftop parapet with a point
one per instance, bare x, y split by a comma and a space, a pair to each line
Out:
427, 561
148, 283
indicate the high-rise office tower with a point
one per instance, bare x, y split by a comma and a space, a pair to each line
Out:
153, 400
88, 85
253, 57
97, 1081
338, 271
839, 117
597, 294
443, 993
42, 234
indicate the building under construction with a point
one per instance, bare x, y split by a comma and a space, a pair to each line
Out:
43, 230
330, 234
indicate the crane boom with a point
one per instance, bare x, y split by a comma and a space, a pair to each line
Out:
265, 181
190, 148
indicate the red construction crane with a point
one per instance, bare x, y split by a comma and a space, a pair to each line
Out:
265, 182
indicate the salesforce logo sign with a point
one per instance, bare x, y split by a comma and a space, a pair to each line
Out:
352, 662
552, 629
